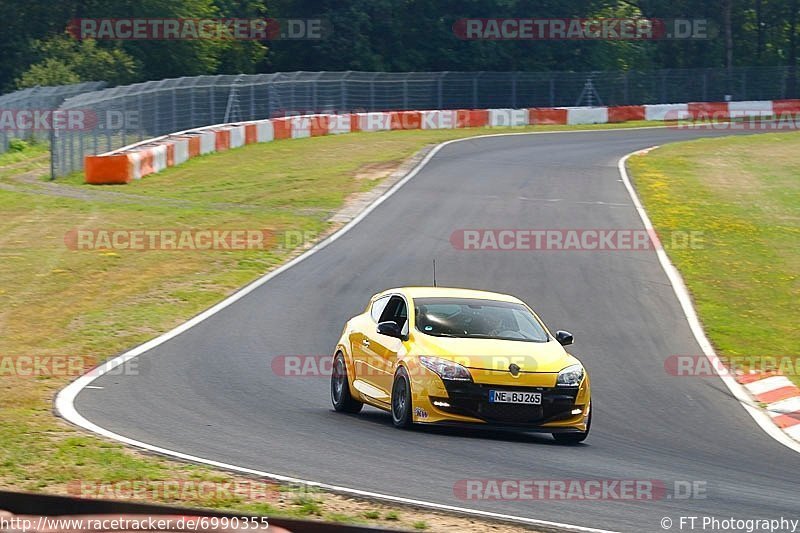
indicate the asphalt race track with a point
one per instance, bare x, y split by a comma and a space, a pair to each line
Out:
211, 392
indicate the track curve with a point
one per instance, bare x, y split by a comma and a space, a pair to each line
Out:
210, 392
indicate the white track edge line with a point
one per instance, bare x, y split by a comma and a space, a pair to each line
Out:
65, 406
65, 399
678, 285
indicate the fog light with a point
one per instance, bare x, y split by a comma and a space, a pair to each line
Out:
441, 404
577, 411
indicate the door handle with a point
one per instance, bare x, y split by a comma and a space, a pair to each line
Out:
365, 342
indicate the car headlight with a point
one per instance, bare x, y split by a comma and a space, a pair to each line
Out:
446, 369
571, 376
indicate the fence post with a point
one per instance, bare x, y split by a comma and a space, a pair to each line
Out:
439, 90
514, 90
552, 92
314, 96
71, 153
211, 94
124, 120
705, 86
252, 101
156, 129
53, 153
80, 149
191, 107
343, 90
372, 94
141, 117
744, 84
475, 91
94, 140
625, 90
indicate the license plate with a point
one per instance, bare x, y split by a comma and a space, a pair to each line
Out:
502, 396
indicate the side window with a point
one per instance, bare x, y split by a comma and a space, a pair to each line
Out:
377, 308
396, 311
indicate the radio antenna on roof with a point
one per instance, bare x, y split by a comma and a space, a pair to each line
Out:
434, 272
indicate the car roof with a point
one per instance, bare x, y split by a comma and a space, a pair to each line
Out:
451, 292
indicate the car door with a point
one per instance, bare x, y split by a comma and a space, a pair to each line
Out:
363, 326
382, 351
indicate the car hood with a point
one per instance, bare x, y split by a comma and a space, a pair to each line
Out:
492, 354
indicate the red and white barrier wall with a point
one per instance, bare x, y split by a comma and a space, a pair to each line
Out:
154, 155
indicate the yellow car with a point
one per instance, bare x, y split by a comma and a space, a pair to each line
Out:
435, 355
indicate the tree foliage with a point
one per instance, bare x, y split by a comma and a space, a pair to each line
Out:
384, 35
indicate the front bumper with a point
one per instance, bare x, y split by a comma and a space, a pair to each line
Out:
563, 409
472, 400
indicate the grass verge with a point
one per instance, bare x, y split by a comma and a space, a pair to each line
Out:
743, 195
56, 301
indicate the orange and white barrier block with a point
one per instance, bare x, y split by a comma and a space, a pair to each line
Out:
133, 162
508, 118
338, 124
372, 121
437, 120
587, 115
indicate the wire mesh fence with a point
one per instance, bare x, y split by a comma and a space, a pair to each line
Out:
35, 103
128, 114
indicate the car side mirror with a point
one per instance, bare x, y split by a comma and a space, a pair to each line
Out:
564, 338
390, 328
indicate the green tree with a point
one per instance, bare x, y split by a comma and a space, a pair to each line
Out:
65, 60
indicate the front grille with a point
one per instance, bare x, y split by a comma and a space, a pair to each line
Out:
508, 412
472, 399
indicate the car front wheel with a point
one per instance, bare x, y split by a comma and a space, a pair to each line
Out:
342, 400
401, 400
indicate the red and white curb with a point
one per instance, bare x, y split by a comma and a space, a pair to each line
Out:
780, 397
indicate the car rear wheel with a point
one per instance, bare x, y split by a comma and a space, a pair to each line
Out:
342, 400
575, 438
401, 400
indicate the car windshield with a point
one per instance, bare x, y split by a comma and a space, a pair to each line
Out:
476, 318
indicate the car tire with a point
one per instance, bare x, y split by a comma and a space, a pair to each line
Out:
341, 398
575, 438
402, 411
